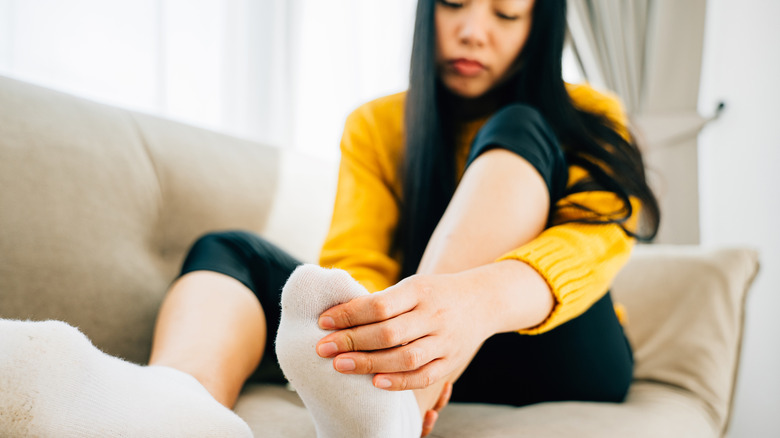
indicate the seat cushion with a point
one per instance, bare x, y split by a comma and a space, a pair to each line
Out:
652, 410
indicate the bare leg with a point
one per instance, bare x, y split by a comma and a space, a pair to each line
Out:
212, 327
501, 202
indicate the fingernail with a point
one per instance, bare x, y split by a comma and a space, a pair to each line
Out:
383, 383
345, 364
327, 349
327, 323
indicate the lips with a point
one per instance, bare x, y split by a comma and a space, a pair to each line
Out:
467, 67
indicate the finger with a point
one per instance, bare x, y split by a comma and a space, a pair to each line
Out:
444, 398
429, 421
387, 334
408, 357
418, 379
368, 309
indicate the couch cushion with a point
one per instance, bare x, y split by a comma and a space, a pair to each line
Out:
99, 204
652, 410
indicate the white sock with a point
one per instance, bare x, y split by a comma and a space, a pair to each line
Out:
341, 405
55, 383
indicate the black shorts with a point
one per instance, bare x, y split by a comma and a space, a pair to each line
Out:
587, 358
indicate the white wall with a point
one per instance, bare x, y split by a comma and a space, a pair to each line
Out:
739, 156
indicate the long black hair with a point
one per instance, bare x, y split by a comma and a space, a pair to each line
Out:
590, 140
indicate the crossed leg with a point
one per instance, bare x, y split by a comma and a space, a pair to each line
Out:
212, 327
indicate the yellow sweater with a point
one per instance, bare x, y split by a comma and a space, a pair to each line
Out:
578, 261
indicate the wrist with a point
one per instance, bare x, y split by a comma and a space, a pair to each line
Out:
510, 296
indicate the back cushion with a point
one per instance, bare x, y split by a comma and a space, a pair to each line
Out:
685, 308
98, 206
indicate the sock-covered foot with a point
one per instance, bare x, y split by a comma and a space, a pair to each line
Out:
341, 405
54, 382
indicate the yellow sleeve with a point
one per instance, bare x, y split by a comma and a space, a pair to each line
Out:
365, 214
579, 261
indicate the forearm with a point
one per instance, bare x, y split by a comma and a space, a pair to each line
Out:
513, 295
501, 203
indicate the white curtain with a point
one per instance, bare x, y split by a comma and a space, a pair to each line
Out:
285, 72
649, 53
609, 38
349, 52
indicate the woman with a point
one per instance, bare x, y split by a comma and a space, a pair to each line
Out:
489, 207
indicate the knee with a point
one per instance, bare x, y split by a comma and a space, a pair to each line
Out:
235, 244
246, 246
523, 130
222, 238
520, 115
520, 127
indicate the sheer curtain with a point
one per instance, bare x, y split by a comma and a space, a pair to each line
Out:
349, 51
285, 72
649, 53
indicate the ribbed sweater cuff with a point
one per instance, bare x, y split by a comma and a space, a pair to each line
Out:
571, 282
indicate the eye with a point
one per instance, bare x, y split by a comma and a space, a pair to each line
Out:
451, 4
507, 16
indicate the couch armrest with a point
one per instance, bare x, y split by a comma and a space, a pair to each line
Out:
685, 318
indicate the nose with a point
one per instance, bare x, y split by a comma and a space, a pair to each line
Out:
473, 28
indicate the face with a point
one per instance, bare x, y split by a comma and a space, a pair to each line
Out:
477, 41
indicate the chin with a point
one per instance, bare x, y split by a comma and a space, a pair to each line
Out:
466, 90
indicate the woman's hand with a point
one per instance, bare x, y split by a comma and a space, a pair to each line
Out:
410, 335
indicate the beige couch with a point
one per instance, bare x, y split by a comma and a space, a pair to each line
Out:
99, 204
